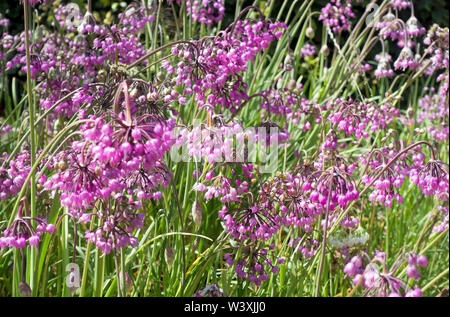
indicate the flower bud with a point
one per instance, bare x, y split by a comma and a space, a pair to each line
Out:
133, 93
291, 85
288, 64
24, 289
61, 165
38, 35
310, 32
412, 272
197, 213
127, 283
169, 256
325, 50
422, 260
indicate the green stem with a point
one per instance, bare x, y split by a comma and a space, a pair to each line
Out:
32, 109
437, 278
86, 264
324, 242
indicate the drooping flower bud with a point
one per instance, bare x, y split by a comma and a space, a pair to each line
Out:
169, 256
24, 289
127, 283
291, 85
325, 50
288, 64
197, 213
310, 32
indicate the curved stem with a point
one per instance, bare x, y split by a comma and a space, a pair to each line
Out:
35, 166
245, 103
123, 87
160, 49
437, 278
324, 241
19, 144
32, 109
381, 173
233, 26
183, 251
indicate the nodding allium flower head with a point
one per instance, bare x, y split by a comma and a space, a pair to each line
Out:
212, 69
341, 185
13, 174
21, 231
204, 11
78, 178
352, 116
434, 113
413, 28
307, 50
255, 262
384, 65
380, 281
437, 42
212, 290
387, 184
278, 101
388, 26
289, 191
400, 4
250, 221
337, 14
118, 222
432, 178
406, 59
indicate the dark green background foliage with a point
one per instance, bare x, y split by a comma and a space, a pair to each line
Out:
427, 11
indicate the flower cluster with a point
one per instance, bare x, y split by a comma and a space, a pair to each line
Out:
255, 263
388, 183
212, 290
21, 231
13, 172
117, 224
353, 116
382, 282
211, 68
383, 68
204, 11
337, 14
432, 178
